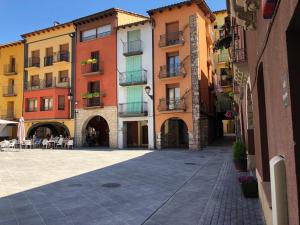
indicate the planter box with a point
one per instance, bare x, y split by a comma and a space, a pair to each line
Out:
250, 190
241, 165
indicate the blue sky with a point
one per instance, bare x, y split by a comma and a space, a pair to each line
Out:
23, 16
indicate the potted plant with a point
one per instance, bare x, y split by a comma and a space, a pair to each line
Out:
85, 96
249, 186
239, 156
84, 62
90, 95
91, 61
96, 94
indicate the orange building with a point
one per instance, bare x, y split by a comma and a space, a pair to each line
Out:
182, 74
96, 77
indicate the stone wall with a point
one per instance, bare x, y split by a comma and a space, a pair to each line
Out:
110, 114
194, 138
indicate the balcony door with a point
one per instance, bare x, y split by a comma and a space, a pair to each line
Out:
133, 69
94, 87
10, 110
95, 66
172, 33
11, 87
173, 64
133, 38
173, 96
49, 79
134, 99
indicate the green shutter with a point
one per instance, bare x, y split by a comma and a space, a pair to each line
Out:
133, 69
134, 99
133, 38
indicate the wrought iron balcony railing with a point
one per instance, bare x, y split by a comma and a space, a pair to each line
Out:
45, 84
223, 58
133, 78
10, 69
48, 60
92, 68
169, 39
93, 102
171, 104
132, 48
62, 56
33, 62
9, 91
133, 109
9, 116
176, 70
239, 55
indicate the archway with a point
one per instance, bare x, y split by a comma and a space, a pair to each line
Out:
97, 132
45, 129
174, 134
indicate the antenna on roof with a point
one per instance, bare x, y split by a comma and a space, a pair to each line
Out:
55, 23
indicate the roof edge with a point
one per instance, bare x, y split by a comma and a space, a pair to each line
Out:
10, 44
141, 22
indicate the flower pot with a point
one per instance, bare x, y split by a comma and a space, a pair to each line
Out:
250, 190
241, 165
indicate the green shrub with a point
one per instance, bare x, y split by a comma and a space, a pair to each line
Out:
239, 151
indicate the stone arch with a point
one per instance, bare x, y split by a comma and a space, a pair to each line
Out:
84, 116
56, 129
174, 133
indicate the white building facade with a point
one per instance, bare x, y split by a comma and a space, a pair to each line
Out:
135, 73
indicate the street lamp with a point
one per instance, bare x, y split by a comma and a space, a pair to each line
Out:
70, 96
148, 90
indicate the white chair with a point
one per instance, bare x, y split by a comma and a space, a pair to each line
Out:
28, 144
70, 144
12, 144
4, 144
45, 143
60, 143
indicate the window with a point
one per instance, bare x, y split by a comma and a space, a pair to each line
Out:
172, 30
95, 66
46, 104
63, 76
61, 102
35, 61
35, 80
89, 35
173, 96
12, 65
173, 64
49, 79
94, 86
31, 105
104, 30
48, 60
101, 31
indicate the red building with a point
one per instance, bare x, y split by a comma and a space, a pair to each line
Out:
96, 76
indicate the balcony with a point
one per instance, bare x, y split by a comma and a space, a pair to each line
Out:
9, 91
48, 60
171, 105
239, 55
171, 71
133, 109
46, 84
90, 69
132, 48
33, 62
94, 102
62, 56
9, 116
133, 78
10, 69
223, 58
171, 39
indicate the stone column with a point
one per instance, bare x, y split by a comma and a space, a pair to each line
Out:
194, 138
158, 140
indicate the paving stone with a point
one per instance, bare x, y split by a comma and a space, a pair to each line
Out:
157, 188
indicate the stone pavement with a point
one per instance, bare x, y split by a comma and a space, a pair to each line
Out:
123, 188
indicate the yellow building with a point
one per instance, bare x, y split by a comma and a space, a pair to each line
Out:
11, 80
48, 82
223, 72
